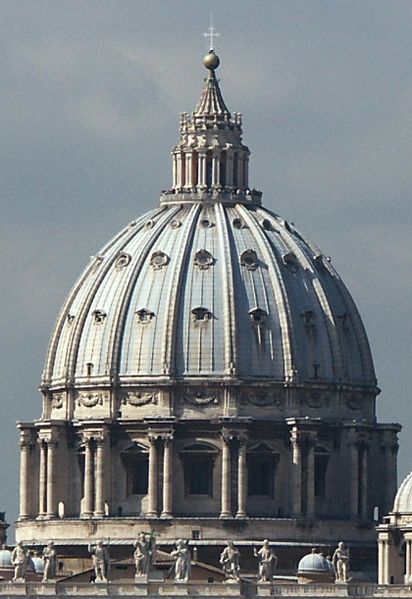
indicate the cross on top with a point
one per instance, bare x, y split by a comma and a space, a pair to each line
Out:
211, 33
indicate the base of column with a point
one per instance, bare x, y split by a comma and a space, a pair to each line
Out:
50, 516
225, 515
240, 515
98, 515
166, 515
151, 515
86, 515
23, 517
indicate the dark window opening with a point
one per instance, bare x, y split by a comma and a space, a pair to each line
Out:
137, 474
261, 476
223, 169
209, 170
321, 465
198, 475
194, 169
195, 534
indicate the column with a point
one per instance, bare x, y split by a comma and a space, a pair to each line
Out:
24, 510
188, 170
51, 479
202, 170
229, 168
216, 169
310, 480
241, 481
42, 478
364, 481
100, 481
87, 511
407, 560
354, 480
152, 486
167, 478
296, 474
225, 507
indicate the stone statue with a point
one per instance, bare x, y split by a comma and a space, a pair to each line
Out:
101, 561
229, 559
183, 561
267, 562
340, 562
49, 558
145, 549
19, 559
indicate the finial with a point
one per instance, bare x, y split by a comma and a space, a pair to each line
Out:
211, 33
211, 60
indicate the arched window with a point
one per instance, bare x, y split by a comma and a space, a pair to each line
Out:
223, 169
321, 466
209, 169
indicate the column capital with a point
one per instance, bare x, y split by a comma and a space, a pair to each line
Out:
303, 438
25, 440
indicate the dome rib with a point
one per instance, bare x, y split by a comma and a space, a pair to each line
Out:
230, 328
285, 320
173, 303
124, 307
403, 499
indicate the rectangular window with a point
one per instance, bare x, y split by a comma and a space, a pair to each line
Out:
137, 474
198, 475
261, 476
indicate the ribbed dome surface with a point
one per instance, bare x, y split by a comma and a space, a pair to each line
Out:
314, 563
403, 498
209, 291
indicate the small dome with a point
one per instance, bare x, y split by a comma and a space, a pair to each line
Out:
5, 558
35, 563
314, 562
403, 499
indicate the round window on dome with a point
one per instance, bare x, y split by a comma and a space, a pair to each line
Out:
237, 223
290, 260
144, 315
159, 259
201, 314
203, 259
122, 261
150, 224
249, 259
175, 224
258, 316
267, 225
205, 223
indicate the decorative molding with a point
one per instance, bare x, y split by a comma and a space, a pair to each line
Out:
200, 398
262, 399
354, 402
136, 398
89, 400
316, 400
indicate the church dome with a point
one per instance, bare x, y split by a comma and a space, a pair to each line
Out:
403, 498
5, 557
209, 285
315, 563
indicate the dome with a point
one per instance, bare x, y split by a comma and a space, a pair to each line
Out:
209, 291
5, 558
315, 563
35, 564
403, 498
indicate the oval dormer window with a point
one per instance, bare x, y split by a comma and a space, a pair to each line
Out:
159, 260
258, 316
249, 259
99, 316
203, 259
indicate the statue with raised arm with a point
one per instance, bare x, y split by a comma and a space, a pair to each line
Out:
19, 559
145, 548
183, 561
340, 562
101, 561
267, 562
229, 559
49, 558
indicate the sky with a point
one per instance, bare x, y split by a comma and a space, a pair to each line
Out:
91, 92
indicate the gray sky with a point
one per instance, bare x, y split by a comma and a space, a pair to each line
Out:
91, 92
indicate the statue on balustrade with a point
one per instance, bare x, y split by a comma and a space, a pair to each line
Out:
101, 561
229, 559
267, 562
49, 558
19, 558
145, 549
340, 562
183, 561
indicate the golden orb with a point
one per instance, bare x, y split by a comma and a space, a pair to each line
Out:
211, 60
